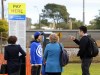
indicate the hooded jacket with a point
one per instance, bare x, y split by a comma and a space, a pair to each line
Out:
36, 53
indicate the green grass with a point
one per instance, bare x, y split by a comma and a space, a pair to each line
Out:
75, 69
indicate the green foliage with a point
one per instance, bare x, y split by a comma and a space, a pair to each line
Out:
45, 22
56, 12
3, 29
95, 23
91, 27
3, 26
76, 23
37, 26
62, 25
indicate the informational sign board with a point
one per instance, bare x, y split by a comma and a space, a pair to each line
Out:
17, 22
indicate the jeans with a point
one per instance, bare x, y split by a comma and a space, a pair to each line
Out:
36, 70
86, 65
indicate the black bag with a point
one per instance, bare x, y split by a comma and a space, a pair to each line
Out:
64, 58
93, 48
4, 69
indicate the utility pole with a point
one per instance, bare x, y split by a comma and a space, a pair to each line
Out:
39, 21
2, 5
99, 12
84, 12
39, 17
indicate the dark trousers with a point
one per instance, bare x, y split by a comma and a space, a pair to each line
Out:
86, 65
59, 73
15, 73
36, 70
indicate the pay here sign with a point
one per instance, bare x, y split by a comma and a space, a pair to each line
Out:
17, 22
17, 8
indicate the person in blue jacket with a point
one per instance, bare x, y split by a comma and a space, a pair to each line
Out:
51, 56
36, 54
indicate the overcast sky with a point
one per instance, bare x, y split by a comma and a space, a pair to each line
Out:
74, 7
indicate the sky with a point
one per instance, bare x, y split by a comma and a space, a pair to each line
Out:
74, 7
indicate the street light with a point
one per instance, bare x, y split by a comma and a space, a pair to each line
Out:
84, 12
39, 16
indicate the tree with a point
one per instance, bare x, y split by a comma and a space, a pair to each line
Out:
95, 23
37, 26
45, 22
58, 13
3, 26
92, 25
76, 23
3, 29
62, 25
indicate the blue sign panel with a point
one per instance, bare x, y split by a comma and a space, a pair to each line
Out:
17, 17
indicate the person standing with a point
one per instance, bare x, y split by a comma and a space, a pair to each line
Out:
83, 53
36, 54
11, 54
52, 56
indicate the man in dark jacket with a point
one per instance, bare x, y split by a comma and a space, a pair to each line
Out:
83, 52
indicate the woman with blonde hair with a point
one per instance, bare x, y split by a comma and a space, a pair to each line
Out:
52, 55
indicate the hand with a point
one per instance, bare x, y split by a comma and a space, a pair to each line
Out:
44, 62
72, 37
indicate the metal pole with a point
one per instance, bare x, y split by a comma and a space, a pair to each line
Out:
2, 5
39, 21
84, 12
39, 16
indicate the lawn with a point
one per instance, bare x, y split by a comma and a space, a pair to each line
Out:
75, 69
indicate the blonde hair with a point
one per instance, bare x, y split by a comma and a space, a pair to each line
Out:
53, 38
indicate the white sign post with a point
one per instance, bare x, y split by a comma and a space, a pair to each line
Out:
17, 22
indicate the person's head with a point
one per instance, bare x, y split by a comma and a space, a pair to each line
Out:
82, 30
38, 36
12, 39
53, 38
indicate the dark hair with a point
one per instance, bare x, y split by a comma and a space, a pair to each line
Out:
36, 37
83, 28
12, 39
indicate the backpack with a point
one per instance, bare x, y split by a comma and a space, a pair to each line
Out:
93, 48
64, 57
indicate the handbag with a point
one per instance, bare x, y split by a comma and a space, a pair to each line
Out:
64, 57
4, 69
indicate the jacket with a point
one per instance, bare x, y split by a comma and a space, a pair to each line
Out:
52, 57
83, 46
11, 54
36, 53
